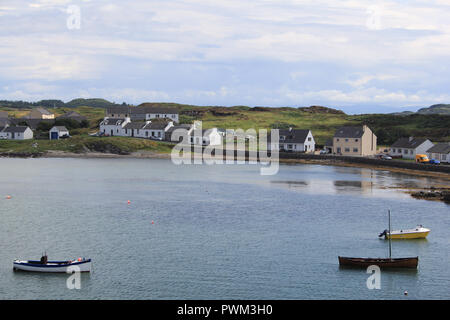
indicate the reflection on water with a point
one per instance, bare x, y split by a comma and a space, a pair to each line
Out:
361, 181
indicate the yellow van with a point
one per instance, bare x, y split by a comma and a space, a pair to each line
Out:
422, 158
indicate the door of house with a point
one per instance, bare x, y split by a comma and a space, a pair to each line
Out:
54, 136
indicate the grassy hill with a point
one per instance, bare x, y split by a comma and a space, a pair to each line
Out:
436, 109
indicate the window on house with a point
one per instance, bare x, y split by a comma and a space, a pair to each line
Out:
309, 139
356, 140
346, 140
405, 151
355, 149
347, 149
337, 139
410, 152
444, 157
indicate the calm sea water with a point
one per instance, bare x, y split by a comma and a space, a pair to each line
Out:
219, 232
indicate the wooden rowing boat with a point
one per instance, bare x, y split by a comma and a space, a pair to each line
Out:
411, 262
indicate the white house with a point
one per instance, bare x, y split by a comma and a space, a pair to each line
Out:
18, 133
207, 137
145, 113
440, 151
147, 129
157, 129
295, 140
57, 132
408, 147
187, 130
113, 126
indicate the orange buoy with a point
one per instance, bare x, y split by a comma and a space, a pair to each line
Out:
129, 201
153, 222
79, 259
8, 197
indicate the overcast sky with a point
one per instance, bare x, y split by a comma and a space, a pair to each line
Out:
373, 56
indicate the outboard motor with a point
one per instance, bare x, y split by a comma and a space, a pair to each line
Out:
384, 233
44, 259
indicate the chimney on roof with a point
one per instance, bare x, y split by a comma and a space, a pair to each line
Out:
410, 139
290, 129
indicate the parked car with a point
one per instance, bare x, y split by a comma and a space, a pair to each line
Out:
385, 157
323, 151
434, 161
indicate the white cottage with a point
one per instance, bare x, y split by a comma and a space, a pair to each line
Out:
113, 126
157, 129
295, 140
207, 137
408, 147
18, 133
186, 127
58, 132
145, 113
440, 151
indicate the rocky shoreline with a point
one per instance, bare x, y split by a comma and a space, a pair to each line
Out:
436, 194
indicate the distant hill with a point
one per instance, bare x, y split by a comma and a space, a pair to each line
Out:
436, 109
320, 109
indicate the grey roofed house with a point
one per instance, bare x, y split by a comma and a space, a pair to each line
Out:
408, 143
3, 115
180, 126
440, 148
44, 111
118, 110
157, 125
32, 123
349, 132
16, 129
112, 121
72, 115
154, 110
293, 135
135, 125
186, 127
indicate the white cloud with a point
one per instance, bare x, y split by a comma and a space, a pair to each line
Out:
243, 35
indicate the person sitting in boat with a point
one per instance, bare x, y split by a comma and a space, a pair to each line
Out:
44, 259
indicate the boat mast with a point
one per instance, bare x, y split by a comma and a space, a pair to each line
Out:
390, 245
